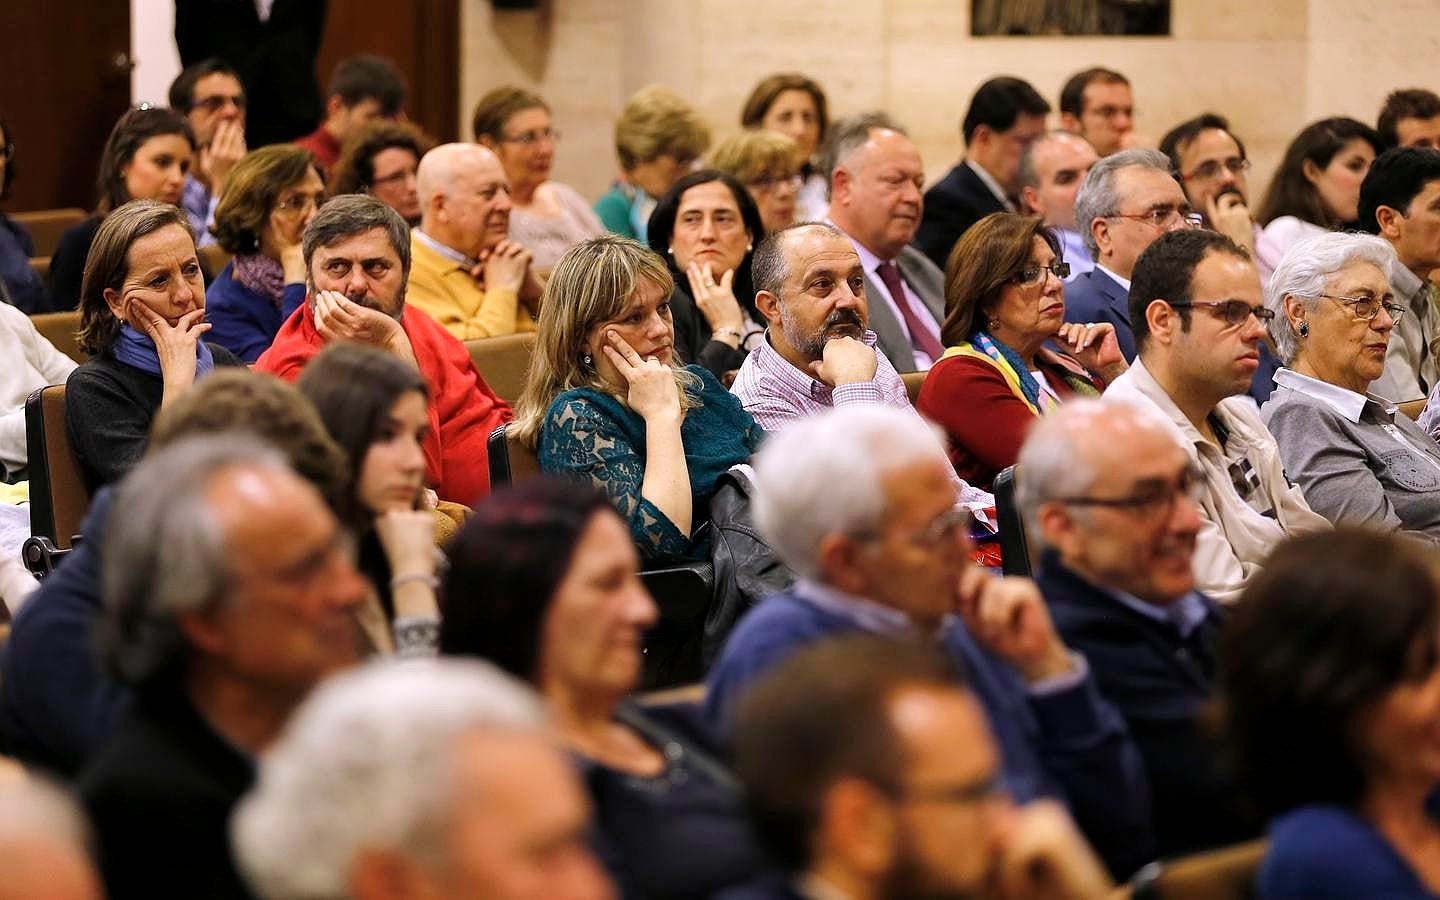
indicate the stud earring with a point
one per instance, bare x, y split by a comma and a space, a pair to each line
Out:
750, 246
586, 359
1304, 329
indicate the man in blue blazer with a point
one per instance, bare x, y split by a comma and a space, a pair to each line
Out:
1106, 492
1127, 201
1005, 115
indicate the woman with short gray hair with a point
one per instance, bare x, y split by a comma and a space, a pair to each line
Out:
1355, 456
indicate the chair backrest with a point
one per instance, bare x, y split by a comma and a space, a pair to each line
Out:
510, 460
213, 258
40, 265
913, 380
1224, 874
60, 330
1013, 543
46, 226
58, 498
503, 362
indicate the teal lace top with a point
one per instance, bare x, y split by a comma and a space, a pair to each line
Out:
592, 436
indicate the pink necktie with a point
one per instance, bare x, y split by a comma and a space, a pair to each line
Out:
920, 337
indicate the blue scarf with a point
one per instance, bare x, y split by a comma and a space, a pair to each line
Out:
1003, 354
135, 349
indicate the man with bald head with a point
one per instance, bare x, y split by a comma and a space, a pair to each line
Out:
1052, 169
1109, 494
465, 272
876, 176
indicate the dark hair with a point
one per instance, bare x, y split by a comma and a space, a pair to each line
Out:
351, 214
999, 102
505, 566
182, 89
10, 163
368, 77
1394, 179
251, 191
822, 715
987, 255
1181, 135
1072, 95
1290, 192
752, 114
1407, 103
235, 397
1332, 623
1165, 270
495, 109
130, 133
354, 171
353, 388
109, 262
662, 228
768, 265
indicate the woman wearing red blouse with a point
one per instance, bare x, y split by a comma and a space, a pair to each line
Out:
1004, 300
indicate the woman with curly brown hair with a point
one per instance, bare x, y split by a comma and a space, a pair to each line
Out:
382, 159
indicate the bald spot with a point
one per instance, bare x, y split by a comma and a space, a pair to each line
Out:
448, 164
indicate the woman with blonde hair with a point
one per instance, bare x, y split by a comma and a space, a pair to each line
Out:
658, 137
608, 402
769, 164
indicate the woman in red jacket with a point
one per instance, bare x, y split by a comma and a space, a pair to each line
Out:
1004, 301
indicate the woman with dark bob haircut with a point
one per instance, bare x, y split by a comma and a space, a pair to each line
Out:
268, 199
543, 583
142, 317
1011, 357
1330, 691
146, 157
376, 408
705, 228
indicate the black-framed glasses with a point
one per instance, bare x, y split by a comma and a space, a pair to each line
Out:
1033, 275
1367, 308
955, 520
217, 102
530, 138
1212, 168
1151, 500
1232, 312
971, 794
1162, 217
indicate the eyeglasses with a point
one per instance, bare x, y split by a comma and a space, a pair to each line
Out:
1033, 275
394, 178
1233, 312
530, 138
942, 528
774, 182
980, 791
1367, 308
300, 203
1212, 168
1162, 217
217, 102
1152, 501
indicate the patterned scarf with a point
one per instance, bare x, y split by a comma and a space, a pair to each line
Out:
261, 274
1002, 354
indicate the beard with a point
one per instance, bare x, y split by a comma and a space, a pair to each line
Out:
840, 323
909, 879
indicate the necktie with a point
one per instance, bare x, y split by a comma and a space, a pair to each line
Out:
920, 337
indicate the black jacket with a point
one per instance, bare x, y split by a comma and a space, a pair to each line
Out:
952, 205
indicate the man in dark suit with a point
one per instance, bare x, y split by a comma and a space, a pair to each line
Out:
1106, 490
1005, 115
1127, 201
871, 774
875, 179
221, 631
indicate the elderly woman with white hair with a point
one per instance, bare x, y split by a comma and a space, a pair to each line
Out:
1355, 456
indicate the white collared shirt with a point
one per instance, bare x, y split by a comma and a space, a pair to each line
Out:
448, 252
989, 181
1123, 282
1348, 404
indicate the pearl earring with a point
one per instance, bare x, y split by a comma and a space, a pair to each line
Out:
750, 246
1304, 329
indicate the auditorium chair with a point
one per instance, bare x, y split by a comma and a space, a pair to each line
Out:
46, 226
58, 498
213, 259
1014, 546
60, 330
40, 265
1224, 874
503, 362
913, 380
673, 647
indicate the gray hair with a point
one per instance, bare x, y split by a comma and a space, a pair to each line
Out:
164, 553
846, 136
367, 762
1098, 198
822, 475
347, 215
769, 266
1306, 267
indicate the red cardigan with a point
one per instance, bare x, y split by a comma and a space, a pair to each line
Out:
985, 421
462, 409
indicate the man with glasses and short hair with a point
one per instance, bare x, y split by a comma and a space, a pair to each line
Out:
1097, 105
1111, 497
465, 271
1212, 165
1199, 319
212, 99
870, 524
1128, 200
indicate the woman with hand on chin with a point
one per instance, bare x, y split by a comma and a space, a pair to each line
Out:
1004, 302
142, 310
608, 401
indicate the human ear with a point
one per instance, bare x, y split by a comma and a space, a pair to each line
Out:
769, 306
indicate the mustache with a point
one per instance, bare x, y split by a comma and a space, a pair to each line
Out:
842, 319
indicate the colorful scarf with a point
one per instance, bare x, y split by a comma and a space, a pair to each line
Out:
260, 274
1071, 372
